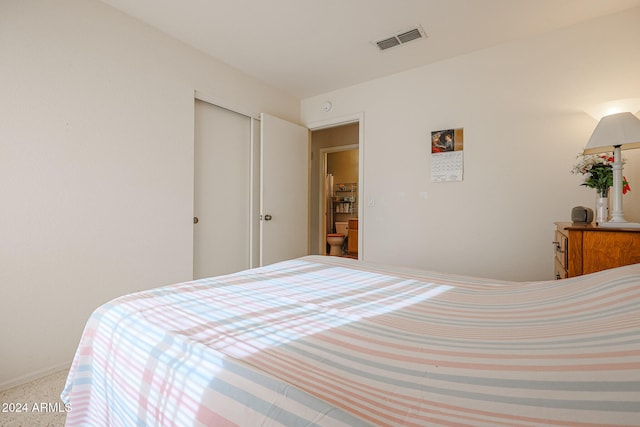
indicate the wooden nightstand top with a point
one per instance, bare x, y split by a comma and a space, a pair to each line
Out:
592, 227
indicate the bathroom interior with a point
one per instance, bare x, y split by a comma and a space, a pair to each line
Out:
337, 189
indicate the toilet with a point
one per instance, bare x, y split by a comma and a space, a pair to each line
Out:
336, 240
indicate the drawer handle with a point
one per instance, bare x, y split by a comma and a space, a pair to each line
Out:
558, 247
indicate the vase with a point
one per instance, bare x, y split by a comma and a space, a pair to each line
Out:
602, 206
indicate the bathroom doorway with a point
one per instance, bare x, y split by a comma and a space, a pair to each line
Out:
336, 157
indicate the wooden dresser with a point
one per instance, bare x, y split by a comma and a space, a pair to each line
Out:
582, 249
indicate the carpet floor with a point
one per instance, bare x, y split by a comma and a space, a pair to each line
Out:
35, 404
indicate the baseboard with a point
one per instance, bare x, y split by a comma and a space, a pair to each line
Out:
33, 376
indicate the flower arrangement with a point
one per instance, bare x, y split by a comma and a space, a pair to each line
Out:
598, 171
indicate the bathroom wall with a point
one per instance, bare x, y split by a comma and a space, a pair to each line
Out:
343, 165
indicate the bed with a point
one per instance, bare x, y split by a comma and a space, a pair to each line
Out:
327, 341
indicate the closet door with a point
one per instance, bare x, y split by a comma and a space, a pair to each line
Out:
284, 190
222, 198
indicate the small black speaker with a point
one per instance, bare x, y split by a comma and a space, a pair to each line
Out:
582, 215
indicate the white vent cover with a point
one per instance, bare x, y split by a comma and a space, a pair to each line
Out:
401, 37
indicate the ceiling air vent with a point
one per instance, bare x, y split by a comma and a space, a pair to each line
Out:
388, 43
401, 37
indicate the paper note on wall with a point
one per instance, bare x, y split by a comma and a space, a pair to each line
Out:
447, 161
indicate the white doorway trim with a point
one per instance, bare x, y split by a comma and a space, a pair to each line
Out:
338, 121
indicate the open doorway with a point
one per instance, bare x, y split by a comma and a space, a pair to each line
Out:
335, 154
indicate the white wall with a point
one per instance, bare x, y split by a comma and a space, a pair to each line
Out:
522, 109
96, 167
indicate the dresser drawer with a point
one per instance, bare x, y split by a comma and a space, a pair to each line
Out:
559, 271
561, 244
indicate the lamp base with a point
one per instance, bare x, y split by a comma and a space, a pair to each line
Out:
618, 224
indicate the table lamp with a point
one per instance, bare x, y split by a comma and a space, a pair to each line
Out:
616, 132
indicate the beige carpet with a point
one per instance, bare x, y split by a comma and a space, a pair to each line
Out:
34, 404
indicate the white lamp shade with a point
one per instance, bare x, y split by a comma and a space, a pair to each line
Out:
622, 129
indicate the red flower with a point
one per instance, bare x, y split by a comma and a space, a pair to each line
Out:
625, 185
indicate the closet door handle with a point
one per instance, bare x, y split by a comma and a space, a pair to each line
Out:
268, 217
195, 220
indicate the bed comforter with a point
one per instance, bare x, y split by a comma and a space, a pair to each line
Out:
325, 341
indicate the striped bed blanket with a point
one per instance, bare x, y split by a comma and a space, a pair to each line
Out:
326, 341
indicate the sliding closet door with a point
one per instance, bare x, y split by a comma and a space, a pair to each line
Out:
222, 198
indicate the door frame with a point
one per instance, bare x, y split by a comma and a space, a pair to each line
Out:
322, 197
335, 122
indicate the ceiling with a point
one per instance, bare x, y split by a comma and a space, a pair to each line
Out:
309, 47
